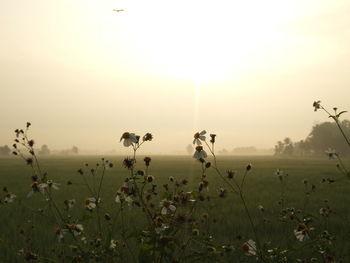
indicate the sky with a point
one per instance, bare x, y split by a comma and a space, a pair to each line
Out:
248, 71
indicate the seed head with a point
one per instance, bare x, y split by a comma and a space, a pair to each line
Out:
147, 137
230, 174
128, 163
147, 160
249, 167
31, 143
150, 178
29, 161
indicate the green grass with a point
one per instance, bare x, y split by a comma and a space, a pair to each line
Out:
227, 217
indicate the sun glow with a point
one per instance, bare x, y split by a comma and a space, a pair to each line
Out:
207, 40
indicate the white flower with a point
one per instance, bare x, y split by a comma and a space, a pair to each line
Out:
76, 229
261, 208
90, 203
84, 240
167, 205
279, 173
69, 203
118, 198
60, 233
199, 153
302, 232
249, 248
9, 197
113, 244
129, 139
35, 188
121, 197
48, 184
331, 154
108, 165
324, 211
161, 228
198, 137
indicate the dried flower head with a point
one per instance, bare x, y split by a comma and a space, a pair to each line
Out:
128, 163
150, 178
212, 138
316, 105
249, 167
29, 161
222, 192
147, 160
31, 143
230, 174
147, 137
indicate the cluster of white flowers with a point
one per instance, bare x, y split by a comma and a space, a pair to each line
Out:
9, 198
124, 193
198, 138
76, 229
36, 187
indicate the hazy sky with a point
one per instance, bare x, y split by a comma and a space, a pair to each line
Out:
246, 70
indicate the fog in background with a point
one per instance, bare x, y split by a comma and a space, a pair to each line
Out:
248, 71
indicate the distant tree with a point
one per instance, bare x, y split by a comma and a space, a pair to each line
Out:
302, 148
5, 150
327, 135
322, 137
284, 148
279, 148
75, 150
223, 151
189, 149
44, 150
245, 150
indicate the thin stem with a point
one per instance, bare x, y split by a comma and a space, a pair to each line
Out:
346, 172
243, 180
123, 234
342, 132
338, 124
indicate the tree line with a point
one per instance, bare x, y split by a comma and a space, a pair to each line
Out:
322, 137
44, 150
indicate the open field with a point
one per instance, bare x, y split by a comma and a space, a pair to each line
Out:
227, 220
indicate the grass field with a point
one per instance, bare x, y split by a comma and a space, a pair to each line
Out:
227, 217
